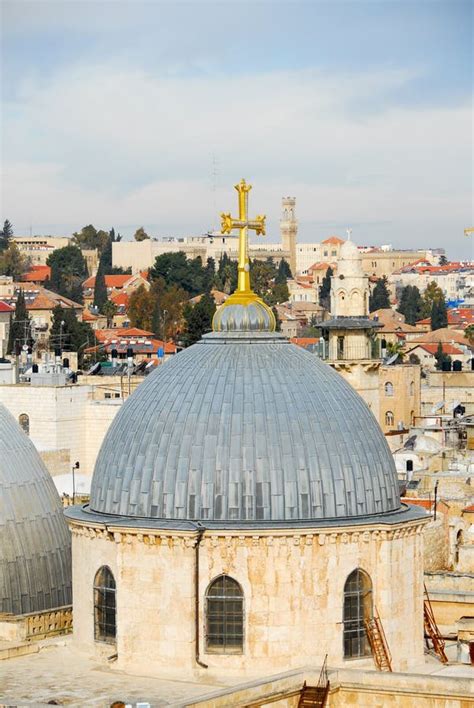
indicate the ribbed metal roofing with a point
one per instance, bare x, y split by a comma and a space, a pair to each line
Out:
35, 545
244, 427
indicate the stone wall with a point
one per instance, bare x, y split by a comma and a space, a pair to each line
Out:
436, 544
293, 585
351, 688
66, 424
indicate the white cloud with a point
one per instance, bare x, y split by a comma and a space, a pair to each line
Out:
111, 146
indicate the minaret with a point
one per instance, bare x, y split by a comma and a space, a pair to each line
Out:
288, 229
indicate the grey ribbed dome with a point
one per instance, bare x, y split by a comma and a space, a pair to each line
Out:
35, 545
244, 427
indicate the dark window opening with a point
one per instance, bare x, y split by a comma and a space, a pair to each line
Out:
224, 616
104, 606
357, 608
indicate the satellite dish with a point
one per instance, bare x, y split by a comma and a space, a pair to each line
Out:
94, 369
392, 360
454, 405
437, 407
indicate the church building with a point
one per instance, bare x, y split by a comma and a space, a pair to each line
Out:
245, 515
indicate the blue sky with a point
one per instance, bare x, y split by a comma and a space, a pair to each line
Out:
146, 113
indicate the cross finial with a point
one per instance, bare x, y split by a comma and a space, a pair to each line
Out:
349, 234
243, 224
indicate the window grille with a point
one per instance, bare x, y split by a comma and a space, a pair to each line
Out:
389, 388
104, 606
224, 616
357, 607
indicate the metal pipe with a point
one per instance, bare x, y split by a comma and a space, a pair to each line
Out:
200, 534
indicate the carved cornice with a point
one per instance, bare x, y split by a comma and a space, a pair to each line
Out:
289, 537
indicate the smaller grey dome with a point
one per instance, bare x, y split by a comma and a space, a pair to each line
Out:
35, 542
243, 318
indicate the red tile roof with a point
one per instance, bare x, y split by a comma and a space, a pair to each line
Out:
304, 341
333, 239
433, 348
4, 307
121, 332
111, 281
37, 274
120, 298
322, 265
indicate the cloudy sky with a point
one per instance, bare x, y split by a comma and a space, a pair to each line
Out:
146, 113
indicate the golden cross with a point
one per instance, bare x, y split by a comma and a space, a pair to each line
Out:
243, 224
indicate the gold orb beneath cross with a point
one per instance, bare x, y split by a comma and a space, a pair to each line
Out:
244, 312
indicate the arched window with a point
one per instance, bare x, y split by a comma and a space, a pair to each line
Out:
358, 606
389, 388
104, 606
412, 388
412, 418
24, 421
224, 616
389, 419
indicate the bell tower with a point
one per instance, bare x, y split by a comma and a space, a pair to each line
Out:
288, 229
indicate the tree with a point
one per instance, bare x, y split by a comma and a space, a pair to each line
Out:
441, 357
410, 304
141, 234
325, 290
176, 269
109, 309
68, 334
469, 333
380, 297
439, 314
13, 262
89, 238
198, 319
283, 272
225, 279
279, 293
5, 235
432, 293
168, 311
443, 260
100, 290
262, 277
20, 326
395, 348
68, 272
141, 308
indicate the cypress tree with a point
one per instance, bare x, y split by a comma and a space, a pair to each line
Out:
20, 329
5, 235
380, 297
325, 290
439, 314
100, 290
411, 304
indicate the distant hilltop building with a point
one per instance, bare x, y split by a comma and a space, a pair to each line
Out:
376, 261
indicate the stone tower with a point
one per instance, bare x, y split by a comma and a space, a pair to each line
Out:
350, 287
289, 228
